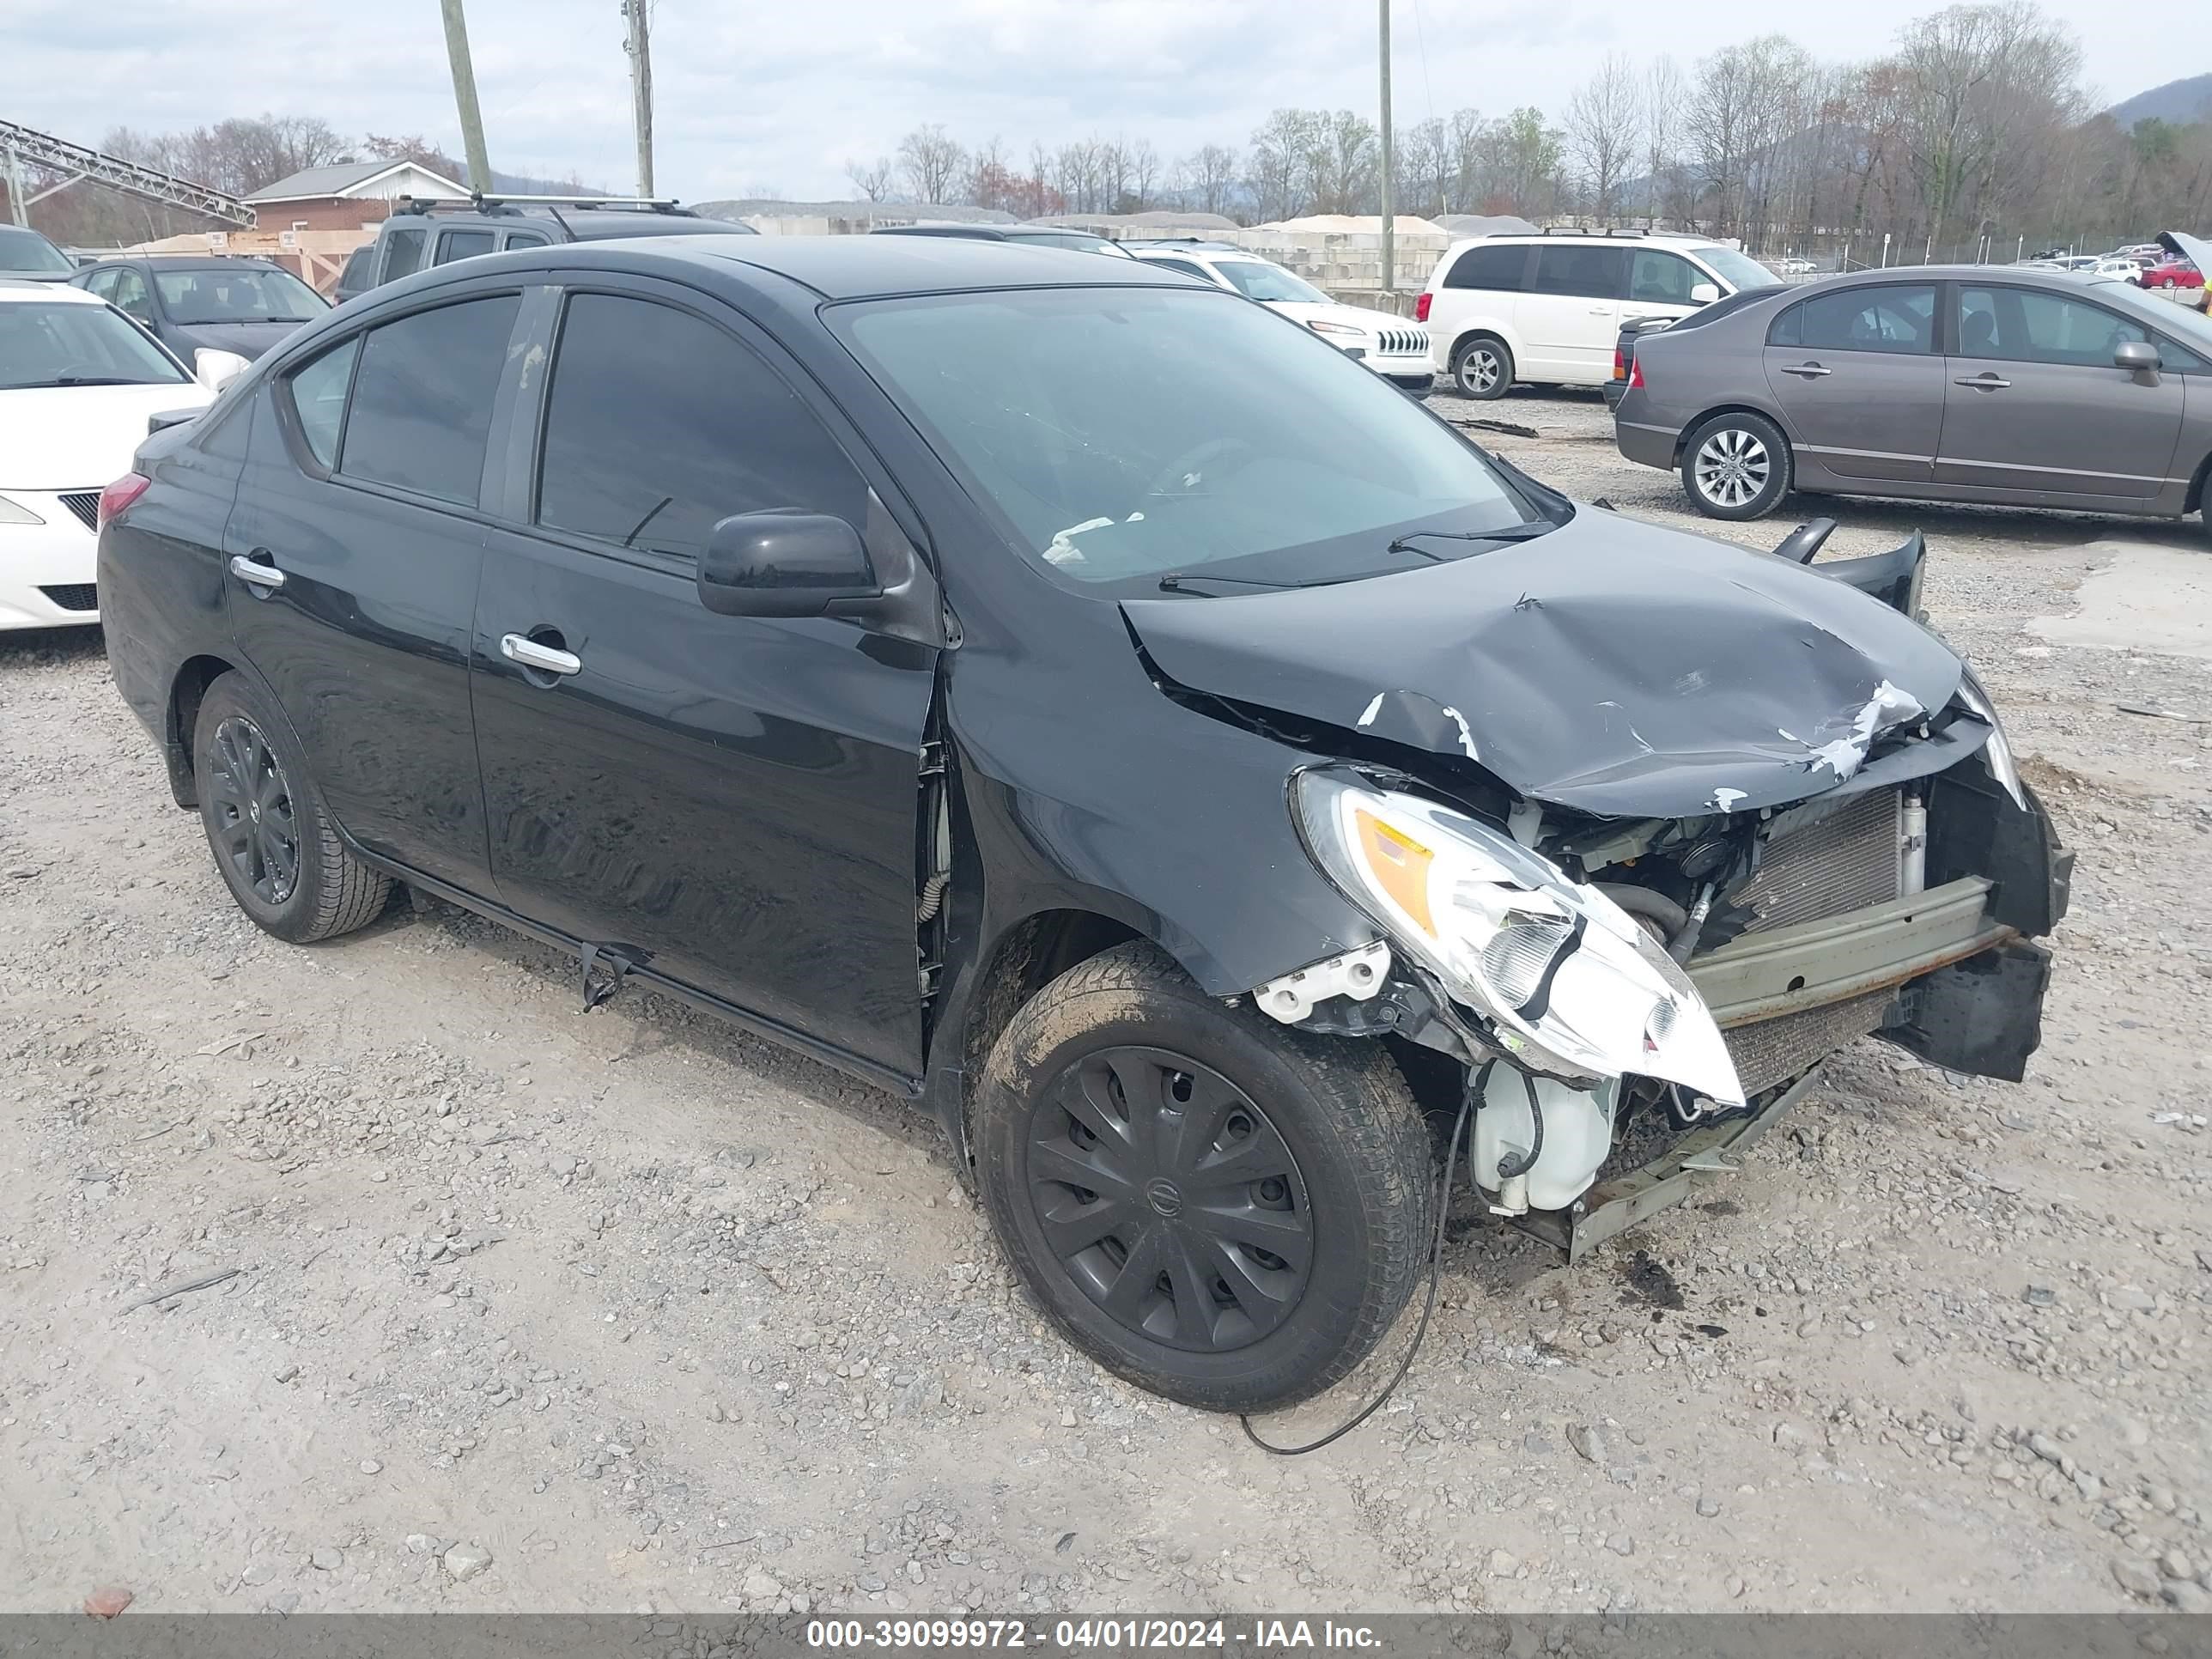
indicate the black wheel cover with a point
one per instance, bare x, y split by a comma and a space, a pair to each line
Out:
254, 831
1170, 1198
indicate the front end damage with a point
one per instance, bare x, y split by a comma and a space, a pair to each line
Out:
1870, 864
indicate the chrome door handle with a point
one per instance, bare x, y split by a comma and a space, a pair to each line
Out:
1810, 371
253, 570
515, 647
1984, 382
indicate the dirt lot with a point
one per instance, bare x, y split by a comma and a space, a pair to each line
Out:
537, 1309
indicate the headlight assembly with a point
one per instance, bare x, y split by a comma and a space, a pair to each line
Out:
1319, 327
14, 513
2002, 767
1569, 983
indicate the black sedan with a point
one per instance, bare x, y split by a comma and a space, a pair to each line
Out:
1065, 696
193, 303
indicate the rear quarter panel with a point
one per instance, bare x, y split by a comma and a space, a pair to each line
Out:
161, 566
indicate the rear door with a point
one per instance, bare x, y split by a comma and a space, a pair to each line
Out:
734, 799
1859, 379
352, 559
2033, 404
1570, 316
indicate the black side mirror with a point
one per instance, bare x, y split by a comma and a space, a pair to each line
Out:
783, 563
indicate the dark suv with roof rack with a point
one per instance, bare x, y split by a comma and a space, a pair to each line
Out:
422, 233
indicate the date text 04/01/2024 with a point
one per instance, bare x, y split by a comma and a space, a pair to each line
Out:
1080, 1634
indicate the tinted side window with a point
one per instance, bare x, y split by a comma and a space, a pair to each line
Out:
1660, 278
423, 397
2029, 325
355, 276
130, 294
403, 254
103, 282
1589, 273
463, 245
524, 238
317, 393
1899, 318
1492, 266
1183, 267
657, 424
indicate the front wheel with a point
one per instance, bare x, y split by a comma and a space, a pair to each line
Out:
1737, 466
1219, 1209
1482, 368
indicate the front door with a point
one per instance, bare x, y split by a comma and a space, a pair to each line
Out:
734, 799
1569, 316
352, 561
1858, 379
2034, 404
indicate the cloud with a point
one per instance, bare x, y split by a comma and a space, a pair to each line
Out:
787, 95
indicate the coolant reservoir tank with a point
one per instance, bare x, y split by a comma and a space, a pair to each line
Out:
1577, 1134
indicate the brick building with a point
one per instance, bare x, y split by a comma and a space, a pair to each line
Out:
351, 196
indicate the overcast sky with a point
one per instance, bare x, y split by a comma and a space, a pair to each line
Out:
784, 94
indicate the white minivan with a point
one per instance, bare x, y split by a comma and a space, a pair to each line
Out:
1547, 308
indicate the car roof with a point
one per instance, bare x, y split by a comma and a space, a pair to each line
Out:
12, 288
189, 262
874, 267
1602, 237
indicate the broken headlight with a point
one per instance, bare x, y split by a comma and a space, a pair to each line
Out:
1569, 982
2002, 767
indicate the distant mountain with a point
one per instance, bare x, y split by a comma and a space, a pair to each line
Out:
2176, 101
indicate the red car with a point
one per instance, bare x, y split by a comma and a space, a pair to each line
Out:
2171, 271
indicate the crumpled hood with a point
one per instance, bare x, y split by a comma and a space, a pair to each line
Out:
1610, 666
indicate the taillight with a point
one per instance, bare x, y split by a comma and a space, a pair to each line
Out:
1635, 373
119, 495
1421, 308
1620, 365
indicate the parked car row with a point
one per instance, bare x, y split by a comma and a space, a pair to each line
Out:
1075, 701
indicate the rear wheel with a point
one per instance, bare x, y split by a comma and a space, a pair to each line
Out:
274, 842
1736, 465
1482, 367
1222, 1210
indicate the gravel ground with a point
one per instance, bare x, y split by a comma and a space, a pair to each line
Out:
533, 1309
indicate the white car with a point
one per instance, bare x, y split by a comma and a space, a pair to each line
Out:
1546, 308
1395, 348
2117, 266
78, 382
1794, 266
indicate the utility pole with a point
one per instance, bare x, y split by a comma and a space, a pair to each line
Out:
464, 96
16, 205
640, 90
1390, 239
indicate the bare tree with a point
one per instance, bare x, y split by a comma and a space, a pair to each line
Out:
1665, 96
1603, 125
1206, 177
1278, 161
1144, 177
874, 179
932, 162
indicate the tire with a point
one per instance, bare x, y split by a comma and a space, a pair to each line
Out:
1482, 367
1737, 466
273, 840
1334, 1173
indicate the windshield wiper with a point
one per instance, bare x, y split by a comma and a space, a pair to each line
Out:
1176, 582
1526, 530
88, 379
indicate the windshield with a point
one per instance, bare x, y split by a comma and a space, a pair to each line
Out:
26, 250
1128, 433
44, 344
1741, 270
1257, 280
228, 293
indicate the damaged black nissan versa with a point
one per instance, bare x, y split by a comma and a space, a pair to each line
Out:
1084, 703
